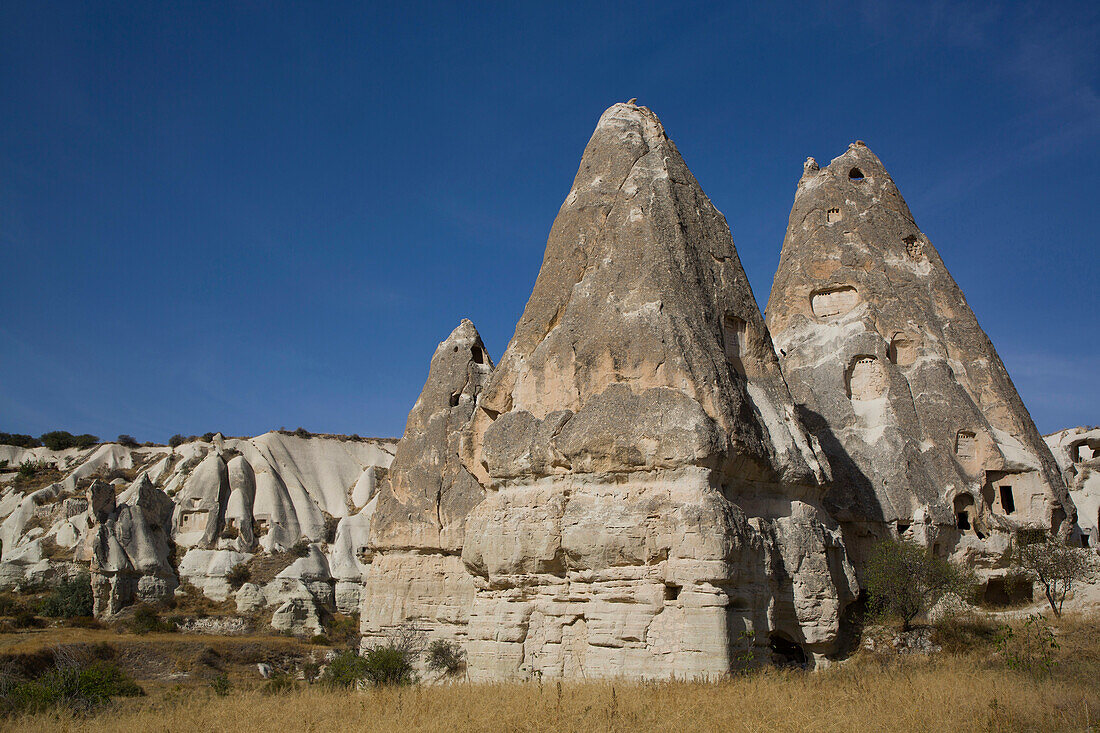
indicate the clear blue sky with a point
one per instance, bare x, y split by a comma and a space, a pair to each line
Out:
241, 216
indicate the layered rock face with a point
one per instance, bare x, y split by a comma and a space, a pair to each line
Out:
653, 501
1077, 451
418, 523
925, 433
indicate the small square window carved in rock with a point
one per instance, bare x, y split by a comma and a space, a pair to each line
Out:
833, 215
914, 248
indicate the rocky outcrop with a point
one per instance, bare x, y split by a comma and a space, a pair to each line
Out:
417, 527
653, 501
230, 500
925, 433
129, 546
1077, 451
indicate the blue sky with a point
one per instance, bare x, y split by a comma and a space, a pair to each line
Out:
241, 216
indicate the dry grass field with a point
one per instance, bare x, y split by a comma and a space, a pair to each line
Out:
966, 687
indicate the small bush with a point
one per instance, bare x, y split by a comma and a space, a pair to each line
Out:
208, 437
319, 640
176, 441
279, 684
127, 440
238, 576
27, 469
70, 599
346, 670
9, 605
1030, 649
303, 433
73, 683
147, 620
27, 620
300, 548
220, 685
230, 532
389, 665
445, 656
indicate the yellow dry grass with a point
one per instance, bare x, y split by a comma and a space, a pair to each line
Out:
970, 690
952, 695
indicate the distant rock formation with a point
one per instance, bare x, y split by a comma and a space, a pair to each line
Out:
653, 501
418, 524
925, 433
228, 501
1077, 451
128, 546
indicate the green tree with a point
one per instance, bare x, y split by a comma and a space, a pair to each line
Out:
904, 579
1053, 565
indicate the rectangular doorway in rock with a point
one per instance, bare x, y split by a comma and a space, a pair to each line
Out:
1007, 502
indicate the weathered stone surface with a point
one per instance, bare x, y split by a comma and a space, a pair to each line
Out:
419, 517
892, 372
644, 460
1077, 451
128, 546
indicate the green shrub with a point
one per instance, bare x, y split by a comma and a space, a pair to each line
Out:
9, 605
70, 599
61, 439
445, 656
127, 440
905, 579
208, 437
279, 683
319, 640
176, 440
1031, 649
28, 469
220, 685
27, 620
389, 665
146, 620
76, 684
300, 548
238, 576
19, 440
346, 670
303, 433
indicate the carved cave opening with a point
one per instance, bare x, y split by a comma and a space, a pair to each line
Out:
902, 350
734, 332
966, 445
914, 248
785, 651
964, 507
856, 175
478, 355
866, 378
833, 215
672, 591
834, 301
1008, 504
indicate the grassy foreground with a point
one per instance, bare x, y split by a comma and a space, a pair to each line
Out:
967, 687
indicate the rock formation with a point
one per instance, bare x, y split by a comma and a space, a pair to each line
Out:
925, 433
128, 546
653, 501
1077, 451
418, 523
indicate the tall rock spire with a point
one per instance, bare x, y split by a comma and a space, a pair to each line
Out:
652, 497
925, 432
418, 516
